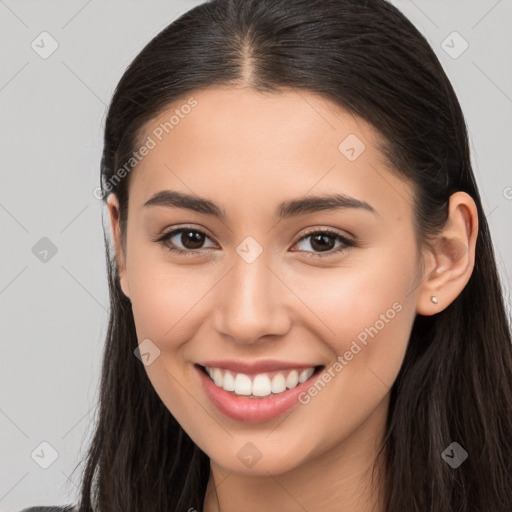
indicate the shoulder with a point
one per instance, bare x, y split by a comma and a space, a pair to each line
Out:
62, 508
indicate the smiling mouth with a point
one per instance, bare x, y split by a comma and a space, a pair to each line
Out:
260, 385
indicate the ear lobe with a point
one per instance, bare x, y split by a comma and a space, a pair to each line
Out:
452, 255
120, 258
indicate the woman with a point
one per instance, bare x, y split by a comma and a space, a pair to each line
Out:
305, 307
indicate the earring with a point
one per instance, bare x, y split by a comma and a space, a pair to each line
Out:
434, 299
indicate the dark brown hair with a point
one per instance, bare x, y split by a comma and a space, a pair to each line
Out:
456, 380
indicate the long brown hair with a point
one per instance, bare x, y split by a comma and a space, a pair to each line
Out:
456, 380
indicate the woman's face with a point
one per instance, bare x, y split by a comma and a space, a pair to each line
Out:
263, 295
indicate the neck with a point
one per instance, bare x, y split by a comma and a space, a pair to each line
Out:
340, 479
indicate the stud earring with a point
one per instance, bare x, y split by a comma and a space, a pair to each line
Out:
434, 299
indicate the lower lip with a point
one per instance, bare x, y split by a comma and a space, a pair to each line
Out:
252, 410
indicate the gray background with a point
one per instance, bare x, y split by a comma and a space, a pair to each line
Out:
54, 311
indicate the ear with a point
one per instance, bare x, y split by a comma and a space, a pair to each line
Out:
450, 258
120, 256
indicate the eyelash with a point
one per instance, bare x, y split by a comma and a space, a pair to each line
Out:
347, 243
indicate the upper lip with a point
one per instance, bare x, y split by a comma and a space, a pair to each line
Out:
268, 365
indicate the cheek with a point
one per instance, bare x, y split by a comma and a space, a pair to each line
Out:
371, 322
163, 297
165, 302
368, 310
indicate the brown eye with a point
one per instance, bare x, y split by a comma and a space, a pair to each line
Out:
186, 240
191, 239
323, 241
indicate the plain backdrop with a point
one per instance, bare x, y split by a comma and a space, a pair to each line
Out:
53, 285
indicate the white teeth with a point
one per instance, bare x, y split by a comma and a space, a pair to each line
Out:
243, 384
261, 385
229, 382
305, 374
292, 380
278, 383
217, 377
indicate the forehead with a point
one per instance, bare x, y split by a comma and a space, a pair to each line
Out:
240, 146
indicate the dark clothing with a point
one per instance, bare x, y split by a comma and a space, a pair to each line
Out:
62, 508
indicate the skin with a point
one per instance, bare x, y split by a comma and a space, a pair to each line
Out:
248, 152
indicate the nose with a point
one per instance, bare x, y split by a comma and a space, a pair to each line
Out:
252, 303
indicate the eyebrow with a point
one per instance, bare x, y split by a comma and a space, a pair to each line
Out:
287, 209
